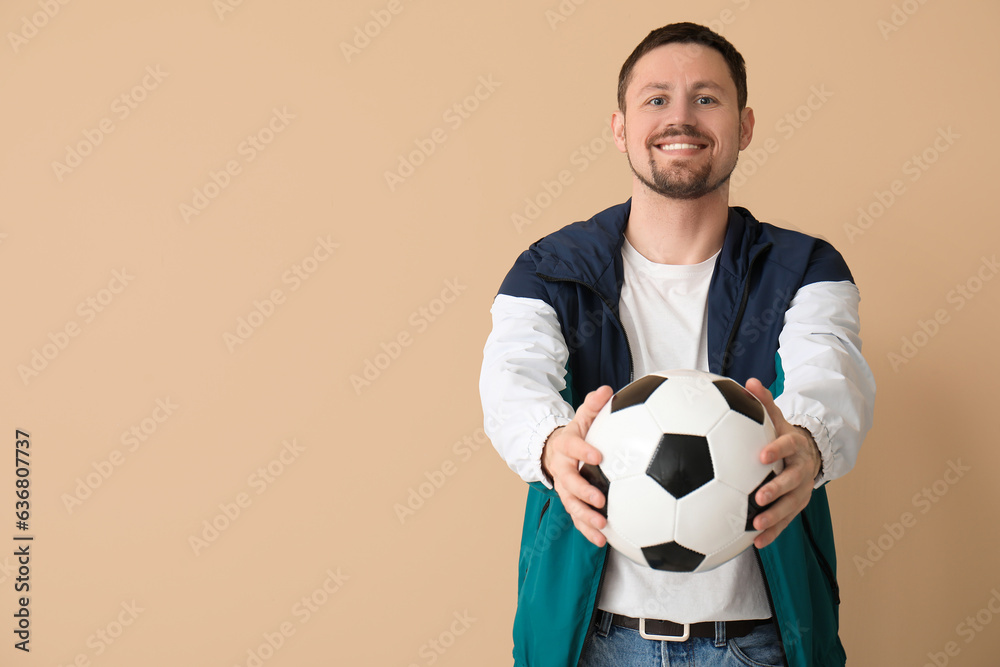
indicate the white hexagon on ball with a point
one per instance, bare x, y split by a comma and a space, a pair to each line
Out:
631, 504
736, 443
687, 405
624, 546
626, 438
702, 522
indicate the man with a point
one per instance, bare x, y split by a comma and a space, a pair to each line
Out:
676, 278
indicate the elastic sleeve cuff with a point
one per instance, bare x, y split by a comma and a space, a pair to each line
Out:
536, 442
822, 437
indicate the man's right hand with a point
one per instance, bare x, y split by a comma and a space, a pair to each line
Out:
564, 449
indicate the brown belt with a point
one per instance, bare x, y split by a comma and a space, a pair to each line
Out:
670, 631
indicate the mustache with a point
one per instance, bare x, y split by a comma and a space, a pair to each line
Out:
682, 131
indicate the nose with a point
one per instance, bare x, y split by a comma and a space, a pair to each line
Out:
681, 113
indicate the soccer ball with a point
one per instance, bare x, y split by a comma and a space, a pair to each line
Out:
680, 469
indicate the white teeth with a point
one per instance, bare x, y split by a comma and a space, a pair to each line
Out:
673, 147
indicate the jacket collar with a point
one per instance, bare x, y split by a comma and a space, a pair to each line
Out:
589, 252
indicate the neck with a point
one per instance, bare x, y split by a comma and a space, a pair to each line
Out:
677, 231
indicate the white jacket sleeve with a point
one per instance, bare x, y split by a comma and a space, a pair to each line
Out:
524, 369
828, 387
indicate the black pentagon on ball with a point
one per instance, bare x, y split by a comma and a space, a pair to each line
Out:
753, 509
636, 393
595, 477
672, 557
740, 400
681, 463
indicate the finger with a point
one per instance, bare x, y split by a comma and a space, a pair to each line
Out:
595, 536
582, 512
573, 488
769, 535
790, 479
586, 520
782, 447
757, 388
779, 514
772, 531
592, 404
579, 497
577, 449
784, 507
584, 490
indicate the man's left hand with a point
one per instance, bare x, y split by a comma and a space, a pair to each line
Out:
792, 489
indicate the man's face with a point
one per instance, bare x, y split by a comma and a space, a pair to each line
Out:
682, 130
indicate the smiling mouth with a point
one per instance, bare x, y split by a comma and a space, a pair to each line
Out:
679, 146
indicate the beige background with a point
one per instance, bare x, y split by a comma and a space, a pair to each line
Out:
435, 586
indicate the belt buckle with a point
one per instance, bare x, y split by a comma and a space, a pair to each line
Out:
667, 638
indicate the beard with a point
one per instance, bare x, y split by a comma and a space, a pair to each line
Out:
680, 181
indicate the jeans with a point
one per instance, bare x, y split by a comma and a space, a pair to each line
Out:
622, 647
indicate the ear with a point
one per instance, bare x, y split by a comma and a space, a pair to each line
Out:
618, 130
746, 127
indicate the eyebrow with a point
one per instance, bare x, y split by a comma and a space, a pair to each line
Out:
697, 85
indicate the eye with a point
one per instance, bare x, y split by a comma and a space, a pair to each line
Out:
705, 100
658, 101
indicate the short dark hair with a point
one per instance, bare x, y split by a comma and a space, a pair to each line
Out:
687, 33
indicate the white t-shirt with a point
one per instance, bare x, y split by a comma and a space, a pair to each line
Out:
663, 308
